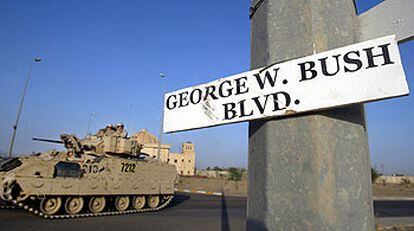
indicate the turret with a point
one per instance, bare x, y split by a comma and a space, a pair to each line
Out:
97, 144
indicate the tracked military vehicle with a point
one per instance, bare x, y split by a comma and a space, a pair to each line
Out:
95, 176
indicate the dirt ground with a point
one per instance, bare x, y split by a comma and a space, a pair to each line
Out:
392, 190
239, 188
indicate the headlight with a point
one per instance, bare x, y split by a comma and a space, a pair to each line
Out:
10, 164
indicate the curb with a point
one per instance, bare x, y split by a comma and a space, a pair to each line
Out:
394, 227
220, 194
393, 198
199, 192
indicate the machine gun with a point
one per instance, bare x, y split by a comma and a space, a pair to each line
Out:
48, 140
69, 141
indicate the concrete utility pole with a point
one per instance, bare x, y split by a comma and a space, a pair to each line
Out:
311, 171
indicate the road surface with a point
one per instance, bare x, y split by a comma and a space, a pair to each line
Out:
187, 212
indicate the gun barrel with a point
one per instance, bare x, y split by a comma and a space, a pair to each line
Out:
48, 140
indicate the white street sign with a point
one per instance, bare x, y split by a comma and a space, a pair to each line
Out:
362, 72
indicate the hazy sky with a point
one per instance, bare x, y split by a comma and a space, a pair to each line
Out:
103, 57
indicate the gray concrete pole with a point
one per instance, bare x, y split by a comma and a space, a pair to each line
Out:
310, 171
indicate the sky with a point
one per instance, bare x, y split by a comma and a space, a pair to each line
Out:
100, 63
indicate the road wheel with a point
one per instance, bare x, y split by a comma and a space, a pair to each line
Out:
6, 194
97, 204
122, 203
50, 205
74, 205
153, 201
138, 202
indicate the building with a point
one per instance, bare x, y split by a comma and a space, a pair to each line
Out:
184, 161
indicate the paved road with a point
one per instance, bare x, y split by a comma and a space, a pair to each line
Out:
187, 212
389, 213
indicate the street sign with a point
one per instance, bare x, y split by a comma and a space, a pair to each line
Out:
363, 72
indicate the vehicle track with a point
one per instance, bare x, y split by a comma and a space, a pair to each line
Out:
35, 211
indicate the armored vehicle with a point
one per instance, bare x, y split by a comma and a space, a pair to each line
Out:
97, 175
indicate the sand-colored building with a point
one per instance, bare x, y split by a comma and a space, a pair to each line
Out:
184, 161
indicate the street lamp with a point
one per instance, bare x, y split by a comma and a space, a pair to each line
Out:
163, 76
35, 60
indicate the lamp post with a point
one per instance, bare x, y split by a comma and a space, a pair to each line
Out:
35, 60
162, 75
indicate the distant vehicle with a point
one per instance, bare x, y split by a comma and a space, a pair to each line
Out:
98, 175
397, 174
